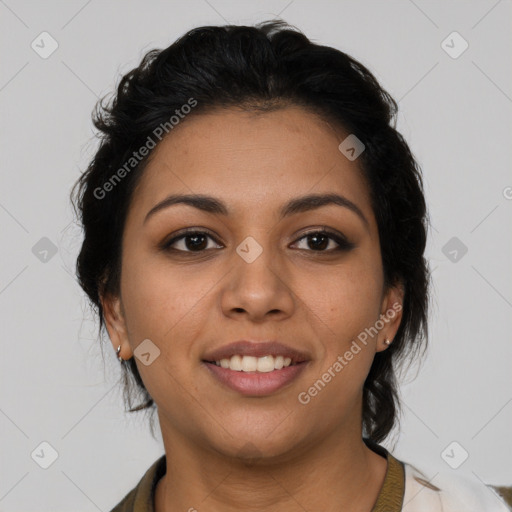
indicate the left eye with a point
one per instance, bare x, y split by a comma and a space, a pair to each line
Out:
320, 240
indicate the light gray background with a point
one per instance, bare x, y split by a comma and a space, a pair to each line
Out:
456, 115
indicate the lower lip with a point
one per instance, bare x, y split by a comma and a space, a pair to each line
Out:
256, 383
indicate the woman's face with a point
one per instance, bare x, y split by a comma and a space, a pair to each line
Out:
254, 275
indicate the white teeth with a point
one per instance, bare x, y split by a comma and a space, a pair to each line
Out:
235, 363
263, 364
249, 364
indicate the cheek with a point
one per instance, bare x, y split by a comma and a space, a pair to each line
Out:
342, 307
163, 304
167, 307
345, 301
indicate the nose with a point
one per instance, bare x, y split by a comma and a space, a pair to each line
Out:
258, 288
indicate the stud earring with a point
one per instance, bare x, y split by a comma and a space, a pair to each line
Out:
117, 354
387, 342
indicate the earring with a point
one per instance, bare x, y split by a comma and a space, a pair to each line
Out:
387, 342
117, 354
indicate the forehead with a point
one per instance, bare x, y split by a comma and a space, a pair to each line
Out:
251, 159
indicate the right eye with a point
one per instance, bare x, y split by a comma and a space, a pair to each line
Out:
190, 240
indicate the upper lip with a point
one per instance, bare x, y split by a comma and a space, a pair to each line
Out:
256, 349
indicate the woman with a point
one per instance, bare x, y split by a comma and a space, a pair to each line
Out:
254, 238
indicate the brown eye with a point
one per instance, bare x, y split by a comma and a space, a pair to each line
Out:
319, 241
191, 241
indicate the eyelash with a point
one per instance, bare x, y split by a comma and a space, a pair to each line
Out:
343, 244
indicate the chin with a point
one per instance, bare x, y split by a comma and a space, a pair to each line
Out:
255, 448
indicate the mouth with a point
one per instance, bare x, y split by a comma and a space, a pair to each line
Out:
256, 369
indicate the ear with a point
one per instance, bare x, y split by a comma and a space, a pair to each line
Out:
115, 323
391, 314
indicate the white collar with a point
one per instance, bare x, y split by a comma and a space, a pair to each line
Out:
448, 491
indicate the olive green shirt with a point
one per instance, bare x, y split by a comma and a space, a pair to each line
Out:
141, 498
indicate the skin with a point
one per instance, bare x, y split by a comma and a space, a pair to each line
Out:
226, 451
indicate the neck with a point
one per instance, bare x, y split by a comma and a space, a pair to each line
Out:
340, 473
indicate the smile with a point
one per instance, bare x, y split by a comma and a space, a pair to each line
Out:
265, 364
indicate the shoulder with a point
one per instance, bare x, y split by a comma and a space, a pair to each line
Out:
141, 497
445, 491
127, 503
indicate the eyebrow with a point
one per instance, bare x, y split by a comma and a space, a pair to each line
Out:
301, 204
